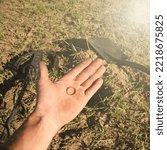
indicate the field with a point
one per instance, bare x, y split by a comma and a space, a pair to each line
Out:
117, 117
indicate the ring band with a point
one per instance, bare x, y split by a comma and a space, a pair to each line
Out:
70, 90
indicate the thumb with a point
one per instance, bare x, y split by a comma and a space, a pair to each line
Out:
43, 72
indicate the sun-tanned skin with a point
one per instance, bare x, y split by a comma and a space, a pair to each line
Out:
55, 107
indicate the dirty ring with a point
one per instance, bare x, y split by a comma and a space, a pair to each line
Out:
70, 90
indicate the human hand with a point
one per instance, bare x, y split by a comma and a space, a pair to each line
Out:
63, 100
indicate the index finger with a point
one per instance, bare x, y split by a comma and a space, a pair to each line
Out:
76, 70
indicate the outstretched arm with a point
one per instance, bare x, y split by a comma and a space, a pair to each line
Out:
58, 103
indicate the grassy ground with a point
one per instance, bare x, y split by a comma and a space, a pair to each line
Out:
120, 118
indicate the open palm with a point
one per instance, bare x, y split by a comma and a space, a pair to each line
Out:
63, 100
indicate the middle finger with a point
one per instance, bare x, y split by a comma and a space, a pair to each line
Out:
89, 71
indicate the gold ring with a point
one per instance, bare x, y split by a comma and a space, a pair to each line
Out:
70, 90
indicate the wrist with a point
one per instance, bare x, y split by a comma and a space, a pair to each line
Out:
44, 120
35, 133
